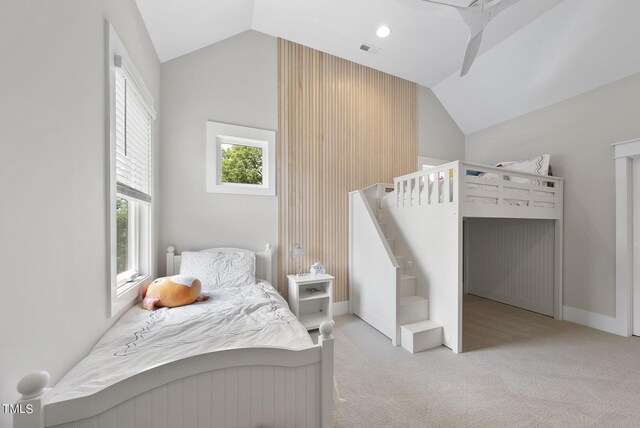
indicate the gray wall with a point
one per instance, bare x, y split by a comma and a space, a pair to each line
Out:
578, 134
233, 81
438, 135
53, 246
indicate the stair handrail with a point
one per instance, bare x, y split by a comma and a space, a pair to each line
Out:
374, 219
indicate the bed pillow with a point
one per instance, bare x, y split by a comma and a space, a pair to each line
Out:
220, 269
538, 165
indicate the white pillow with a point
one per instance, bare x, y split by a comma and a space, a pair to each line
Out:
220, 269
538, 165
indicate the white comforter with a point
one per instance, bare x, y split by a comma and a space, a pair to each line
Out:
232, 318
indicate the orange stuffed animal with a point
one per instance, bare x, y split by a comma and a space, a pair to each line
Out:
172, 291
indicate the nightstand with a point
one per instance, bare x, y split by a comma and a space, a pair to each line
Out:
310, 298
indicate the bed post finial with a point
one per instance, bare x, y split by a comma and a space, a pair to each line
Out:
326, 329
268, 267
31, 387
171, 250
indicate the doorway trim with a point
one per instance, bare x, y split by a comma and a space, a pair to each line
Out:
624, 153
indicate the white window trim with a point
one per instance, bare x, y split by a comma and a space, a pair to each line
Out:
119, 299
219, 133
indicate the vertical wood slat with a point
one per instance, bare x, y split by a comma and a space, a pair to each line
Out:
218, 398
268, 396
159, 401
256, 394
341, 127
231, 397
142, 411
125, 414
279, 396
174, 404
189, 402
204, 400
244, 397
290, 398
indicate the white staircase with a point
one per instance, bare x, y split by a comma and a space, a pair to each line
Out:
417, 333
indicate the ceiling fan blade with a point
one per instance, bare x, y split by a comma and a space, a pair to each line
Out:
473, 45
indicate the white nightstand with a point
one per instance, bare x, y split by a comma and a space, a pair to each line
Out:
311, 307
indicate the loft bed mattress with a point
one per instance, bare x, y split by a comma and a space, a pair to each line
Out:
234, 317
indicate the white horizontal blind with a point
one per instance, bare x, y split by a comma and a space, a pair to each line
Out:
133, 140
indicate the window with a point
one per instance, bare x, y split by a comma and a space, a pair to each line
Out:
240, 164
131, 117
240, 160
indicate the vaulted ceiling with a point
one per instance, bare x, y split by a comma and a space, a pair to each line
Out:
535, 53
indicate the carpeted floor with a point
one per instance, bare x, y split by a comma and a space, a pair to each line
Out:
519, 369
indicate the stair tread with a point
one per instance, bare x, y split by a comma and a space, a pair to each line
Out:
411, 300
405, 276
417, 327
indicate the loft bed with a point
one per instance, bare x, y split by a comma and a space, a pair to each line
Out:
238, 359
483, 191
425, 214
446, 196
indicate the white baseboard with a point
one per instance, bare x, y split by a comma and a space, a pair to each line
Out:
340, 308
592, 319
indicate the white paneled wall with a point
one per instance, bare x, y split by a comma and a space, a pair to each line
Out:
511, 261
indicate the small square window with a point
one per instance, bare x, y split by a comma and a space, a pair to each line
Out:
240, 164
240, 160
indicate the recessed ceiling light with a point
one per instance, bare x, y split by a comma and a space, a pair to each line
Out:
383, 31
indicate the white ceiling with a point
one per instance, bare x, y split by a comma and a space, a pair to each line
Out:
535, 53
426, 44
577, 46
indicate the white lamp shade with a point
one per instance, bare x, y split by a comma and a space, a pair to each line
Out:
297, 251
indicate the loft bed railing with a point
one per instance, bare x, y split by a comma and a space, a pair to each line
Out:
481, 190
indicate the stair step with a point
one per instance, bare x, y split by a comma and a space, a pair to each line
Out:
420, 336
412, 300
407, 285
383, 227
420, 326
413, 309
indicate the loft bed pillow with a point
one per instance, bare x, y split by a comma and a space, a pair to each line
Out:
220, 269
538, 165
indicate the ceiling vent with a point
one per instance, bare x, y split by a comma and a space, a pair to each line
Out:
369, 49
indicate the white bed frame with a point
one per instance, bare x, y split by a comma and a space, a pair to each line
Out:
243, 387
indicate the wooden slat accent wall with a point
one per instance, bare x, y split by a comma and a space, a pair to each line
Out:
342, 127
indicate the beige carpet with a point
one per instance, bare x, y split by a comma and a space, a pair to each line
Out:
520, 369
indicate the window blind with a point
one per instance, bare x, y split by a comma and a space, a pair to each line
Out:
133, 139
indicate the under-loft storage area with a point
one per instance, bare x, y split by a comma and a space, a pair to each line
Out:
510, 261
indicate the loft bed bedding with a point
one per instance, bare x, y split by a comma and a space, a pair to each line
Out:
233, 317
